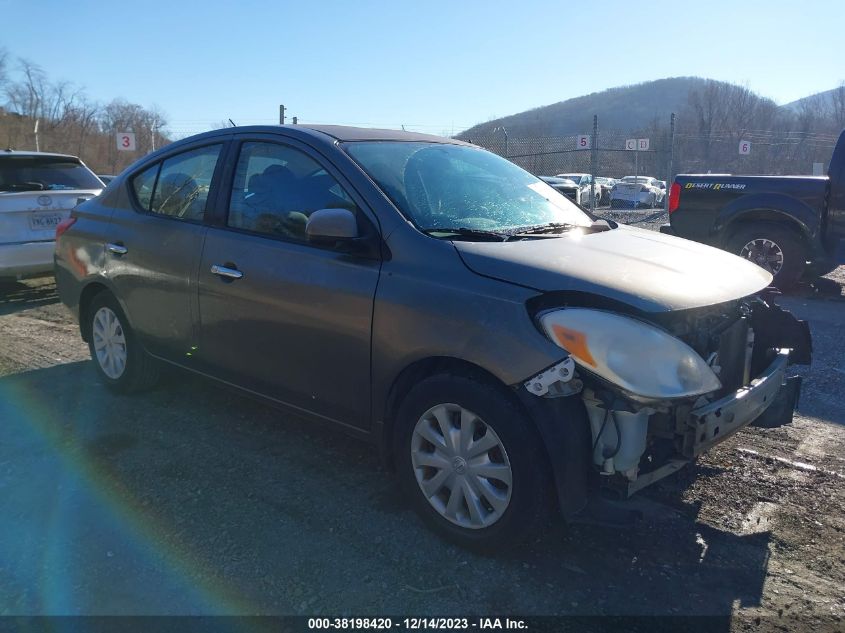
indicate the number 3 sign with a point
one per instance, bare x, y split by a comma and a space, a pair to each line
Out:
126, 141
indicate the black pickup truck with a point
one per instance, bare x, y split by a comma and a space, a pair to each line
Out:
793, 226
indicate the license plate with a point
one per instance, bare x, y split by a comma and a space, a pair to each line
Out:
45, 221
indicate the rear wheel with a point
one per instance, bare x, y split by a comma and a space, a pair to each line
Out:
471, 463
775, 248
121, 362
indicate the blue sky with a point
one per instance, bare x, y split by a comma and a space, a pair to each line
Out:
430, 65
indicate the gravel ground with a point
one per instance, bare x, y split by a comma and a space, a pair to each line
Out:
191, 499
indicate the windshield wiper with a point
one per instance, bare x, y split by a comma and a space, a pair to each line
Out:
466, 232
549, 227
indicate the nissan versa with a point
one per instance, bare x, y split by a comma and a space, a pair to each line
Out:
509, 353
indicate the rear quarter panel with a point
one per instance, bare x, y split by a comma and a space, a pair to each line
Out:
80, 252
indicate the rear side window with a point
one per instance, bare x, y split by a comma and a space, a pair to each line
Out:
143, 184
178, 187
45, 173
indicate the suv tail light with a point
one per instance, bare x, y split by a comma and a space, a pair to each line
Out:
674, 197
63, 226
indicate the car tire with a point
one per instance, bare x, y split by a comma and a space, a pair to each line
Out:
121, 362
460, 503
779, 245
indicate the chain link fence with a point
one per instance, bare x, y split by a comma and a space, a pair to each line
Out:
661, 151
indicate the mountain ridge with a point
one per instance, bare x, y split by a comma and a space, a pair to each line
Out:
628, 107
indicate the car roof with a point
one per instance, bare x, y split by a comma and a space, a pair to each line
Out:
337, 132
12, 152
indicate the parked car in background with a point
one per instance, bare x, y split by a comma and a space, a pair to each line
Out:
606, 186
37, 192
565, 186
661, 199
508, 353
584, 181
792, 226
634, 192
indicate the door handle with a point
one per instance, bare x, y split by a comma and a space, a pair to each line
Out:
117, 249
223, 271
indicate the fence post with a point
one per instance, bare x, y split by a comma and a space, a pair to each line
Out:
594, 162
671, 160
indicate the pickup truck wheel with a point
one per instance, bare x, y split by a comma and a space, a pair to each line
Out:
774, 248
468, 460
121, 362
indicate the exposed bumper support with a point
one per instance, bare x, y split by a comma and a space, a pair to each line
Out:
716, 421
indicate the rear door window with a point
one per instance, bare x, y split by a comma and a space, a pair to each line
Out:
179, 188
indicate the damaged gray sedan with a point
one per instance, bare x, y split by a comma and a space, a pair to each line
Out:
508, 353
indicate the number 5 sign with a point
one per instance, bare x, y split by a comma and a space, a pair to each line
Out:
744, 147
126, 141
585, 141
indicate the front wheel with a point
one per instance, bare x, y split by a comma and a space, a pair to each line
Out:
471, 463
121, 362
774, 248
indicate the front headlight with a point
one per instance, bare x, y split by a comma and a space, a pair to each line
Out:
635, 356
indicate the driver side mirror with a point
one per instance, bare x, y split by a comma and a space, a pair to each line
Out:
331, 225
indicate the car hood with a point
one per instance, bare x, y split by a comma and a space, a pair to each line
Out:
650, 271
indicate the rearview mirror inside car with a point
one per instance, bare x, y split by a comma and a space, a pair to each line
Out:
331, 224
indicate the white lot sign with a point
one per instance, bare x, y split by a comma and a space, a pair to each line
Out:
636, 144
126, 141
745, 147
585, 141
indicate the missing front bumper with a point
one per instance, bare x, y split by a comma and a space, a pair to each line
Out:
714, 422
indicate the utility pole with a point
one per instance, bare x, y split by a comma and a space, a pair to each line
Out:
594, 162
153, 134
281, 115
35, 131
507, 139
637, 162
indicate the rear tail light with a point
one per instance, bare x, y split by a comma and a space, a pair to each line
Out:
674, 197
63, 226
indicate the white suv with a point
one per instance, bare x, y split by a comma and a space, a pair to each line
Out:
37, 192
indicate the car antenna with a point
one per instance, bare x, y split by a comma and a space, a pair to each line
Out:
233, 123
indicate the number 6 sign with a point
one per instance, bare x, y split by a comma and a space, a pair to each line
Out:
744, 147
126, 141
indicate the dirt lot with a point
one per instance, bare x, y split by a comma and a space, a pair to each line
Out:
191, 499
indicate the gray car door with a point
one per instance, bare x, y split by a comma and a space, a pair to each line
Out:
279, 315
153, 247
